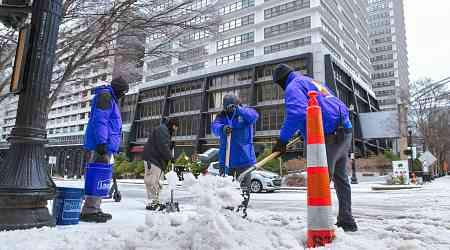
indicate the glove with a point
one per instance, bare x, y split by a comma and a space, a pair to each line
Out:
100, 149
279, 147
231, 108
227, 129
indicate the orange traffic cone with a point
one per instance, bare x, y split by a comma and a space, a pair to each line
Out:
320, 225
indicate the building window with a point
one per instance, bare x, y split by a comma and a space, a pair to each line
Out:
383, 66
291, 26
385, 93
238, 5
186, 87
383, 75
331, 49
287, 45
270, 119
231, 79
192, 67
193, 53
163, 61
185, 104
151, 109
236, 23
330, 32
285, 8
236, 40
195, 35
384, 84
382, 58
215, 98
157, 76
329, 11
235, 57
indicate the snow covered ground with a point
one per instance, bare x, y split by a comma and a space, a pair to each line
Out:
403, 220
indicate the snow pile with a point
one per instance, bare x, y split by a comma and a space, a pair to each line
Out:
210, 226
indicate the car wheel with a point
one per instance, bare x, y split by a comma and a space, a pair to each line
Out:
256, 186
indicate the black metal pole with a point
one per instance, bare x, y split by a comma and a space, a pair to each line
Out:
410, 159
25, 183
354, 179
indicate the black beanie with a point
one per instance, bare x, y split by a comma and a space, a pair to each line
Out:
280, 74
119, 85
171, 121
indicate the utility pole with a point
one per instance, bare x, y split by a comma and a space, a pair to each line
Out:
25, 182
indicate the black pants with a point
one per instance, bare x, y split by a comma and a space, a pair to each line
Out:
246, 181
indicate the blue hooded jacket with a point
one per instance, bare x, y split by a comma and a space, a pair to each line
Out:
334, 110
104, 126
242, 153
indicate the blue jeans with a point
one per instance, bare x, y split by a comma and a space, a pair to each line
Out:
338, 148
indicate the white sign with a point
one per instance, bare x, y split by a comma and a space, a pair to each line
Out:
400, 168
414, 153
427, 159
52, 160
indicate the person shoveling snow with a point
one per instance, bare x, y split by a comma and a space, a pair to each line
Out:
234, 127
157, 152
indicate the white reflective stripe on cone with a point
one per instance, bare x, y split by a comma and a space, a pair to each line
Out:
316, 155
319, 218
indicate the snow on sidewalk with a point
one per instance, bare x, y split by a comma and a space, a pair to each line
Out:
400, 220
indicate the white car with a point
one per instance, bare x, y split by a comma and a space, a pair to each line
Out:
261, 180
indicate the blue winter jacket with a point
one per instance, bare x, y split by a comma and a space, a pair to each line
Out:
334, 110
242, 153
104, 126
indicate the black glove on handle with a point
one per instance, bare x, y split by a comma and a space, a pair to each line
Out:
231, 108
227, 129
101, 149
279, 147
101, 154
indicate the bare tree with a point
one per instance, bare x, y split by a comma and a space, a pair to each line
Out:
93, 31
429, 114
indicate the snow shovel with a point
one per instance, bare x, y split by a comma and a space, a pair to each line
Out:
270, 157
172, 179
227, 154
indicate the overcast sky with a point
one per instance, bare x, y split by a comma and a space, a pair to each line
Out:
428, 38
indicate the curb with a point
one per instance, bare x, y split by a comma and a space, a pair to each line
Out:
393, 187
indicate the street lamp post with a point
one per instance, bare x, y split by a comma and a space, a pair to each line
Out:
410, 159
25, 183
354, 179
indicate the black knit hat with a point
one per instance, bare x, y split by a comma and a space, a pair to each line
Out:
280, 74
119, 84
171, 121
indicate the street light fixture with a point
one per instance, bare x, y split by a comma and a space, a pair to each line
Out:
354, 179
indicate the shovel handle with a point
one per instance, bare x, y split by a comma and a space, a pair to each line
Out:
268, 158
228, 151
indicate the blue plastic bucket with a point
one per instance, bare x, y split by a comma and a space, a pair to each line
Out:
97, 179
67, 205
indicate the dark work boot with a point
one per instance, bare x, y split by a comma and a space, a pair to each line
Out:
106, 215
348, 227
93, 217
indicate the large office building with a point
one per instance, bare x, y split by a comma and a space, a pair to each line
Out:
389, 55
327, 40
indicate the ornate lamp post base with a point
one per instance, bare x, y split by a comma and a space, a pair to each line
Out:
25, 182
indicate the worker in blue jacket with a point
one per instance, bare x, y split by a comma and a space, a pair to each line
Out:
337, 129
102, 138
239, 121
